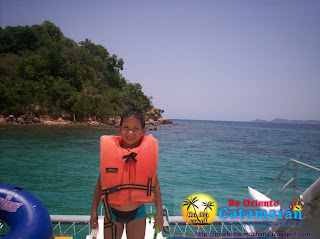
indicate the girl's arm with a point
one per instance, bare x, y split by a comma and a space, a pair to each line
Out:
95, 204
158, 204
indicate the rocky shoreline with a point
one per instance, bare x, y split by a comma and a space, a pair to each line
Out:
153, 119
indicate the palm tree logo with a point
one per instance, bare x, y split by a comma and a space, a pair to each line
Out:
196, 207
191, 202
208, 205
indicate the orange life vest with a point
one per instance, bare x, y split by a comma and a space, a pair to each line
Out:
128, 174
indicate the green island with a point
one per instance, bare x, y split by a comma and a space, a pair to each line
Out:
46, 77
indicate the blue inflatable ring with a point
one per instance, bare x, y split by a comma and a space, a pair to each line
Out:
24, 213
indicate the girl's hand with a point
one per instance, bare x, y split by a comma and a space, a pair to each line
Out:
94, 221
158, 221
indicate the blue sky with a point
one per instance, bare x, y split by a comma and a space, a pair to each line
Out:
215, 60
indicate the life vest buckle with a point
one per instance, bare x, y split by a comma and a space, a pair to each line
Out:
112, 189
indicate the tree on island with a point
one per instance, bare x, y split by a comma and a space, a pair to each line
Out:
41, 67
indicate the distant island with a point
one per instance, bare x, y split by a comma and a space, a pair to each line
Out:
278, 120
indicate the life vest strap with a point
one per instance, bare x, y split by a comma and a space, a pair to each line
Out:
107, 209
114, 228
149, 188
110, 223
118, 188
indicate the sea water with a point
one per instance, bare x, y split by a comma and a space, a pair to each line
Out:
60, 164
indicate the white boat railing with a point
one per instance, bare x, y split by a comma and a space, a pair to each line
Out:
173, 226
291, 182
71, 224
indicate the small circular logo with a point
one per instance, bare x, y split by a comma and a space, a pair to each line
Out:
199, 209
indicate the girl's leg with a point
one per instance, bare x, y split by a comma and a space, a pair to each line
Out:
108, 231
136, 229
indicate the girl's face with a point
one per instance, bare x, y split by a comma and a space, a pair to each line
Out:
131, 132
